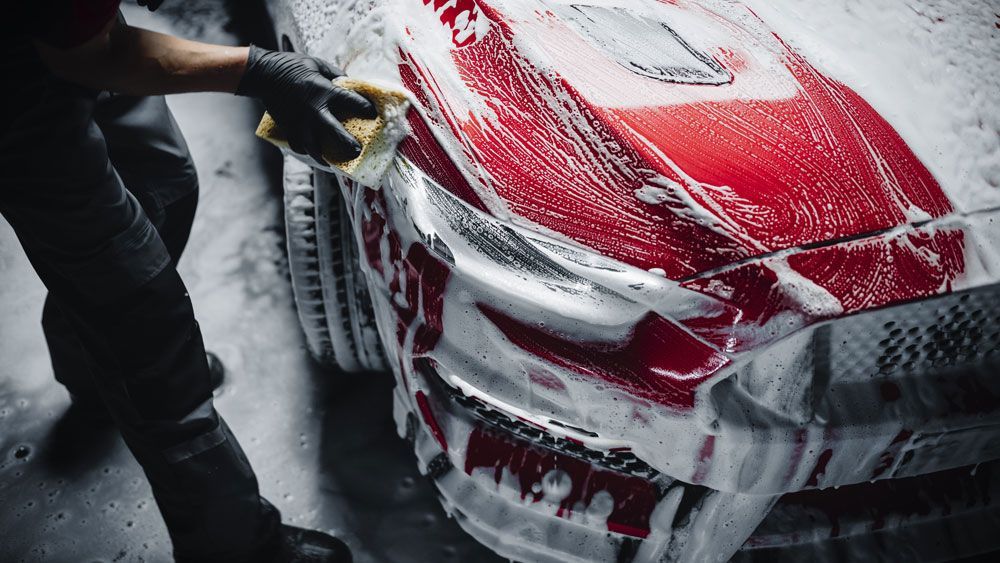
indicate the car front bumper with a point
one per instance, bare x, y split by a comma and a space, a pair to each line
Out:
684, 482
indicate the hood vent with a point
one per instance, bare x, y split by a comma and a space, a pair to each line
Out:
645, 46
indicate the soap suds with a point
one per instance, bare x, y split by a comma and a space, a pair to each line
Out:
733, 440
928, 66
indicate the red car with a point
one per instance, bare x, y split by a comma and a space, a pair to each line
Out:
674, 279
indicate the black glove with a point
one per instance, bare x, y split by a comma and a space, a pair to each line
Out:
296, 90
151, 5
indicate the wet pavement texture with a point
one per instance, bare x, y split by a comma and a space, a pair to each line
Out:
324, 446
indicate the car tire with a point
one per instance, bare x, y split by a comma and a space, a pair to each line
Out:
331, 292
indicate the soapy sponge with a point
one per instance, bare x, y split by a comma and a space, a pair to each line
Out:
379, 137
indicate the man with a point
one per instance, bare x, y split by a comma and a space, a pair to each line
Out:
97, 182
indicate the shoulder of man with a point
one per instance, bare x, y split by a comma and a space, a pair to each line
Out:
65, 23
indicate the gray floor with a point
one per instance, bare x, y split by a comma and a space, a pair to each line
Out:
325, 449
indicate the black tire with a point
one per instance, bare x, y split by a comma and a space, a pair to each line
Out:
331, 292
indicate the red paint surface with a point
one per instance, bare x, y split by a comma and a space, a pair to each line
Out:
812, 169
449, 18
861, 275
820, 468
373, 228
634, 498
873, 274
795, 459
658, 362
553, 180
423, 150
751, 295
426, 278
546, 379
430, 420
704, 460
820, 166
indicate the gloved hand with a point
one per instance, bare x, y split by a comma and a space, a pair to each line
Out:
151, 5
296, 90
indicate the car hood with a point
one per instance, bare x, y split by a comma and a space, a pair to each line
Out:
673, 136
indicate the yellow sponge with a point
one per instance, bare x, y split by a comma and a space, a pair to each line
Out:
379, 137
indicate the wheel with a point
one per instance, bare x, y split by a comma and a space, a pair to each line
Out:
331, 293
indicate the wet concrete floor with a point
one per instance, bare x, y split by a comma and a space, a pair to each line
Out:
324, 446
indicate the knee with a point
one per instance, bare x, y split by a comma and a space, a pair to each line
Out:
156, 315
163, 301
159, 347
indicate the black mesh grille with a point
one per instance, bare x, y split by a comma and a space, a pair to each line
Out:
924, 337
961, 334
620, 461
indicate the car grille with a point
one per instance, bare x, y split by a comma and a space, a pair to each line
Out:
956, 332
622, 461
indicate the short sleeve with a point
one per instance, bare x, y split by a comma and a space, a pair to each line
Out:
69, 23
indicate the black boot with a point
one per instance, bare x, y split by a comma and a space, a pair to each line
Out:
82, 437
299, 545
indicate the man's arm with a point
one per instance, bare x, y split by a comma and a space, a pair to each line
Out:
295, 88
139, 62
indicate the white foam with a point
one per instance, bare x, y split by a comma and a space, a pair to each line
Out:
930, 67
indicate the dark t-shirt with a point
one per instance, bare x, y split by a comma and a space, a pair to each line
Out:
60, 23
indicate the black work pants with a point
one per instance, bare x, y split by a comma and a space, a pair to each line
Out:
101, 192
